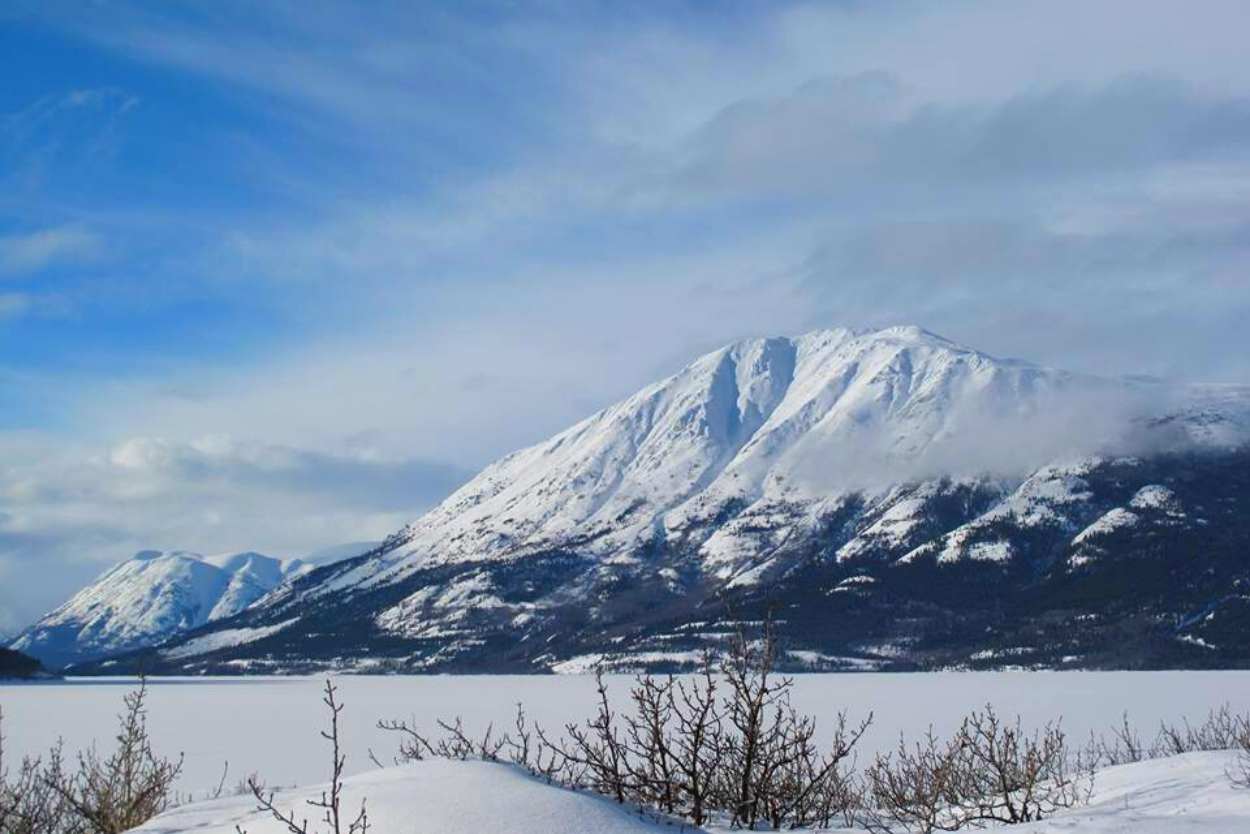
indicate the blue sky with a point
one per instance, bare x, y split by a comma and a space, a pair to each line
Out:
278, 275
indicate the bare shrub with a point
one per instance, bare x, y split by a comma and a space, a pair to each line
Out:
696, 745
1222, 730
109, 795
912, 788
330, 804
1124, 746
775, 771
595, 755
725, 744
807, 787
654, 766
456, 744
1012, 777
1239, 771
522, 749
756, 713
28, 802
990, 771
101, 795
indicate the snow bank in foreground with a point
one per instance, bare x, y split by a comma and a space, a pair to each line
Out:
1179, 794
431, 797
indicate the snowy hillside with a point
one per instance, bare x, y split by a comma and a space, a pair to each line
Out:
768, 421
156, 595
836, 470
150, 598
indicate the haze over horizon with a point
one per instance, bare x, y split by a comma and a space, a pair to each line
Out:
277, 277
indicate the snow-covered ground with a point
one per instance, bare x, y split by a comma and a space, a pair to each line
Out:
1187, 793
270, 725
433, 797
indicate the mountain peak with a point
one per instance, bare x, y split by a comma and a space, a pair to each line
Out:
754, 420
904, 333
767, 460
779, 418
154, 594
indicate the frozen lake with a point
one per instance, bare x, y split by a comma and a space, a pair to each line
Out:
269, 725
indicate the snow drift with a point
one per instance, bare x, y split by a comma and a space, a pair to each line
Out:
1187, 793
430, 797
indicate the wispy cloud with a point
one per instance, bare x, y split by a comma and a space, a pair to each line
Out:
32, 251
58, 136
13, 304
82, 508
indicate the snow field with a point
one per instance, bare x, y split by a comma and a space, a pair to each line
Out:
432, 797
1177, 795
269, 725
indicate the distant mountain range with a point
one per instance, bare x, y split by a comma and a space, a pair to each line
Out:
894, 500
158, 594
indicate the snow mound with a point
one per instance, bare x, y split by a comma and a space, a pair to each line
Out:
430, 797
1187, 793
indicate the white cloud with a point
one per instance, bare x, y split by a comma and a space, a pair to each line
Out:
34, 251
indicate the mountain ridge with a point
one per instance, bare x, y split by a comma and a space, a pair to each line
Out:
847, 456
151, 597
758, 401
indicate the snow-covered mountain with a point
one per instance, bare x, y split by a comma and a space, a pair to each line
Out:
865, 465
794, 422
150, 598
